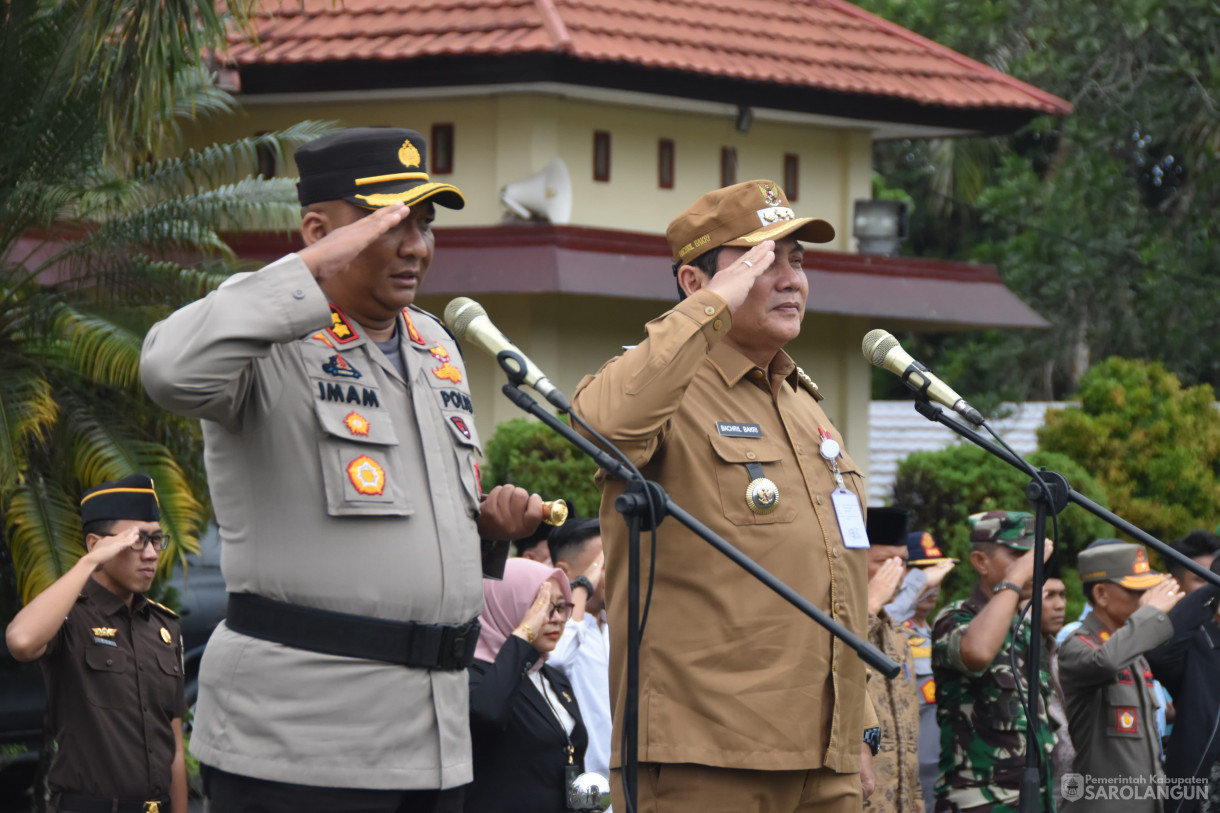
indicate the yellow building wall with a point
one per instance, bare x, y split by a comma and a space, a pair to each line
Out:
504, 138
499, 139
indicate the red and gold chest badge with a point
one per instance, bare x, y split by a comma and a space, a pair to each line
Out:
357, 424
446, 372
928, 690
367, 477
340, 329
461, 426
1125, 720
412, 333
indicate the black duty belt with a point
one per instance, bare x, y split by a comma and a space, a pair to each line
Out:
446, 647
73, 803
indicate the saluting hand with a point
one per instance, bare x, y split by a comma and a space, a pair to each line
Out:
884, 583
1164, 596
333, 253
734, 282
936, 574
108, 547
1021, 571
536, 614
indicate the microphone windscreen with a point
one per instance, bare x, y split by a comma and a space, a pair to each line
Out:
460, 313
877, 345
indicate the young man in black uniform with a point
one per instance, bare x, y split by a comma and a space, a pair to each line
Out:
112, 660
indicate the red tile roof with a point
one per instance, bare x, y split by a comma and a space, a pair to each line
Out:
827, 45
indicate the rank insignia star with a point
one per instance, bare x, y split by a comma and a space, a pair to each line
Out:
367, 477
446, 372
357, 424
340, 328
338, 366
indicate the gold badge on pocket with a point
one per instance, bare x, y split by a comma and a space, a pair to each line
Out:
762, 495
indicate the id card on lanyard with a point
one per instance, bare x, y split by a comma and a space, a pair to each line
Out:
847, 507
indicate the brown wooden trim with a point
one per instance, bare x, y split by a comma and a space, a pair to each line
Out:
441, 149
792, 176
601, 155
665, 163
728, 166
270, 246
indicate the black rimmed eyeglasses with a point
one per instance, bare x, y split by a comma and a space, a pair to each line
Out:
159, 541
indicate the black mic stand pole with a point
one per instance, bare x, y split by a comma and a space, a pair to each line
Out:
1048, 491
644, 505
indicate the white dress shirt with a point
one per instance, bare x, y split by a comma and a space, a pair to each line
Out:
583, 655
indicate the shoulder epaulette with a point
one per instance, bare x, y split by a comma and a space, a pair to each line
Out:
439, 322
1092, 642
159, 606
808, 384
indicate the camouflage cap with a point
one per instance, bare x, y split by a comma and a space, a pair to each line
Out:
1012, 529
1120, 562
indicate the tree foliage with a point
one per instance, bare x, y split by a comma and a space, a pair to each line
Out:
528, 454
1153, 445
942, 488
1102, 221
106, 224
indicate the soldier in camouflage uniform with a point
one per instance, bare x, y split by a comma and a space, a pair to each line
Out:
896, 765
982, 720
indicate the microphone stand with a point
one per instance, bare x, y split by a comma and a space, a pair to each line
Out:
1048, 491
644, 505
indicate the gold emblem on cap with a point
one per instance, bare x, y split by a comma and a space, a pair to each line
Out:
408, 154
771, 195
166, 637
762, 495
104, 632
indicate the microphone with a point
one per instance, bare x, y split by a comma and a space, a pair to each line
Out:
468, 320
883, 350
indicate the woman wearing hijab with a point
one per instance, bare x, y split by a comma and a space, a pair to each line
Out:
528, 737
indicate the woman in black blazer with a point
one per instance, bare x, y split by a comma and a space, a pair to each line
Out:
528, 737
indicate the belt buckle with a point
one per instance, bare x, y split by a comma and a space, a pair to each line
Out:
152, 807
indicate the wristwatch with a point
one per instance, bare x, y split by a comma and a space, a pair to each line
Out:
872, 738
583, 581
1008, 586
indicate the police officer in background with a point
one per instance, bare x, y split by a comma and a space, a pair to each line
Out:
343, 463
112, 661
1107, 682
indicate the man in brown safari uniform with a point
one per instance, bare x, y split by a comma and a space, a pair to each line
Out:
745, 704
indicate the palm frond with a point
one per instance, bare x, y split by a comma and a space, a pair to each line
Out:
102, 449
100, 350
27, 413
225, 163
43, 529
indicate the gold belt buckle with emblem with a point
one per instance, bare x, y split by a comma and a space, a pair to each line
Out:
152, 807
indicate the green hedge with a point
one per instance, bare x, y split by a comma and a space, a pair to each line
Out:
941, 489
528, 454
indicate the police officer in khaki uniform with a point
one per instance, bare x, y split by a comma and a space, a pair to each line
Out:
343, 462
745, 704
112, 660
1107, 683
